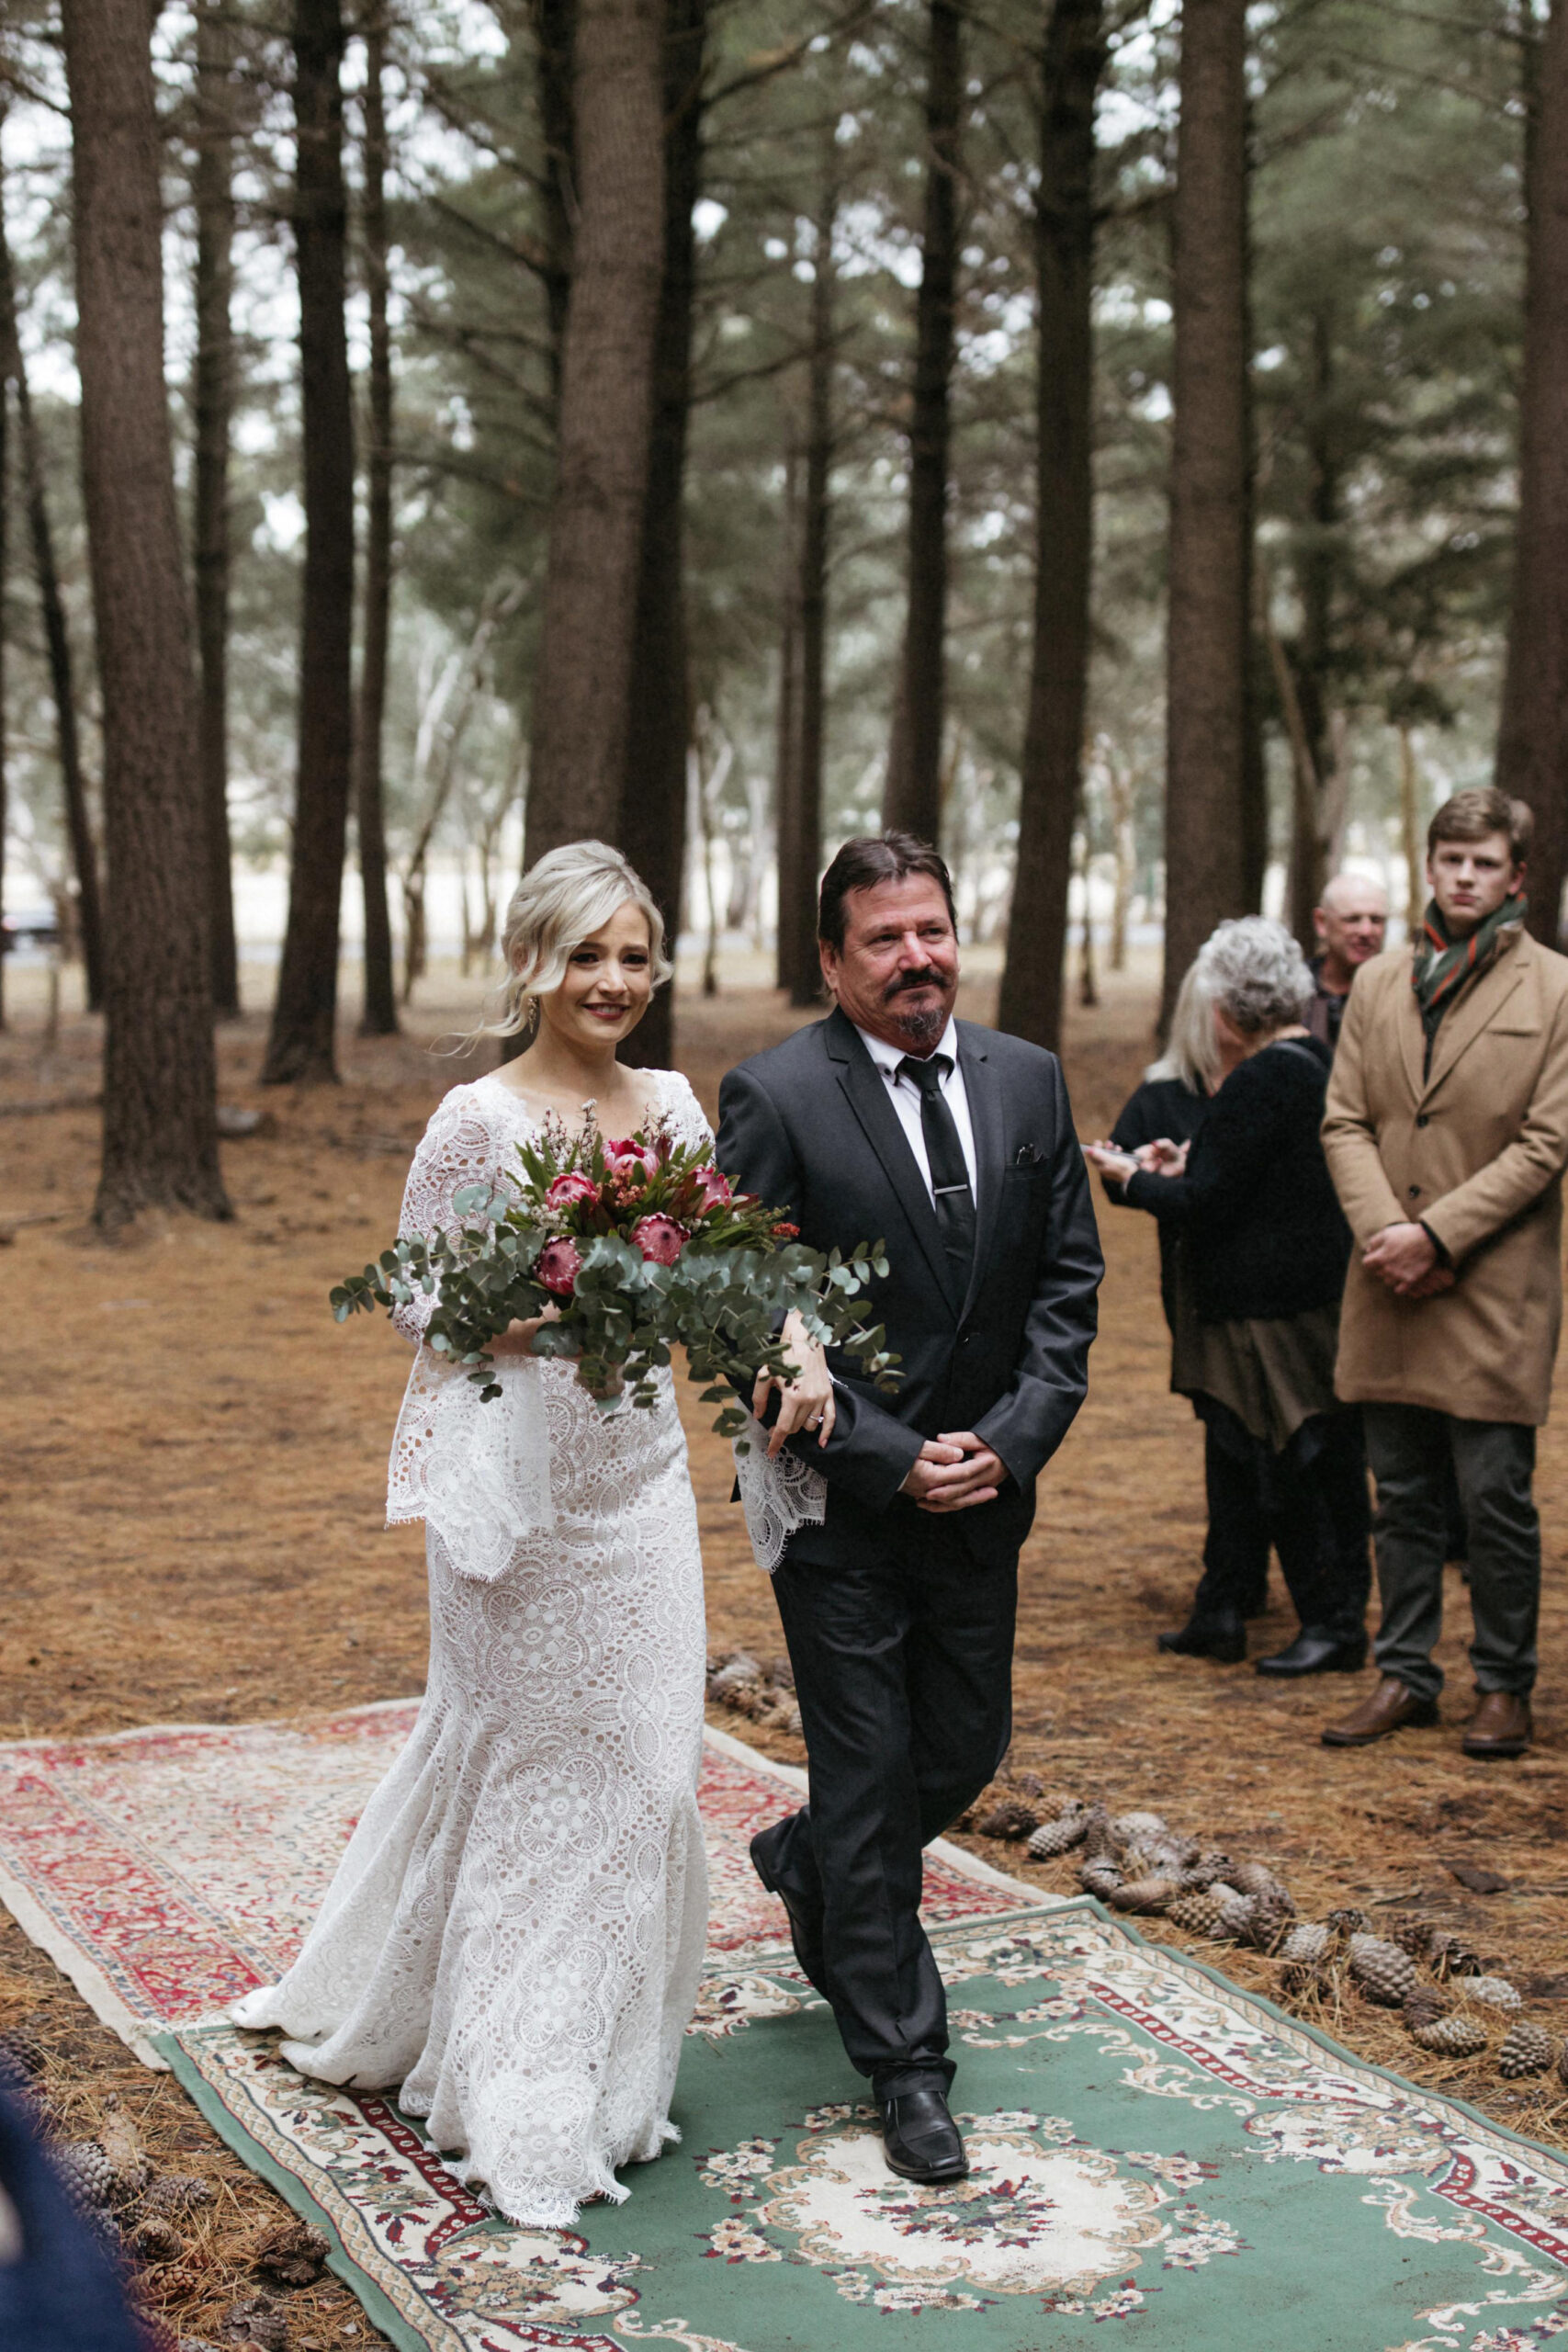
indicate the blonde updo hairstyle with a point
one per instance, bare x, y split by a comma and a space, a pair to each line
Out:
562, 900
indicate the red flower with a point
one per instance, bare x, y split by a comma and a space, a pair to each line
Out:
558, 1264
659, 1238
630, 1159
573, 1186
786, 1232
714, 1191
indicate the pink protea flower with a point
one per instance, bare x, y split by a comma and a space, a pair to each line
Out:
714, 1191
573, 1186
630, 1159
558, 1266
659, 1238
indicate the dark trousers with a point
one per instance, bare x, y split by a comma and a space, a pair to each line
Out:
903, 1669
1309, 1501
1412, 1449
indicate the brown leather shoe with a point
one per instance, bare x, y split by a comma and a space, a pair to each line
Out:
1501, 1725
1390, 1706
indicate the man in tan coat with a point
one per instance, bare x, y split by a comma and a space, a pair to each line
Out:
1447, 1136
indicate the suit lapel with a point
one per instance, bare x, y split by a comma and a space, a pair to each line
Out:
867, 1091
1481, 1003
985, 1098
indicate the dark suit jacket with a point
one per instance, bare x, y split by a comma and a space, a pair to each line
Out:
810, 1127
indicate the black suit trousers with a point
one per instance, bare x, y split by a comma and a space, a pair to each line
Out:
903, 1669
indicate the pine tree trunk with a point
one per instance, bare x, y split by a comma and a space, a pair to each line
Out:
654, 791
912, 794
160, 1077
800, 828
1210, 503
213, 407
1030, 1004
1532, 742
378, 1016
581, 695
554, 32
302, 1045
786, 728
4, 590
1314, 670
57, 644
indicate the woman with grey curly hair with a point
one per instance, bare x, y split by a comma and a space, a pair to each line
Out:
1268, 1246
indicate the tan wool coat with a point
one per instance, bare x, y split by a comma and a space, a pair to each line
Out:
1476, 1152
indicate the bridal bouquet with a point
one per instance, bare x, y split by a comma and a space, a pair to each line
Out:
640, 1245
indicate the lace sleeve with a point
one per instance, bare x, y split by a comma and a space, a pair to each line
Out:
458, 1148
682, 1113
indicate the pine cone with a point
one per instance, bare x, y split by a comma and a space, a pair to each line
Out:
1414, 1936
737, 1673
1211, 1864
1301, 1977
22, 2056
87, 2174
1308, 1942
1347, 1923
1197, 1913
155, 2240
1271, 1921
1494, 1991
1098, 1846
1527, 2050
1423, 2004
1100, 1879
1236, 1914
1451, 1956
178, 2192
1451, 2037
1145, 1895
1010, 1820
293, 2254
1253, 1878
1383, 1972
1138, 1828
1059, 1836
258, 2320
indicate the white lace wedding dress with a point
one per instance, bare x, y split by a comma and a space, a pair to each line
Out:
514, 1932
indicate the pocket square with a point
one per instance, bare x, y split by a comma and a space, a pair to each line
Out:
1026, 1156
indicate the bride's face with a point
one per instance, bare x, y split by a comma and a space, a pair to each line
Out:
608, 983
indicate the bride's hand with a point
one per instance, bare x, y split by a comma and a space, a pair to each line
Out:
807, 1401
518, 1338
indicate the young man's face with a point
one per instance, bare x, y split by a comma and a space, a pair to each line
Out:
1470, 880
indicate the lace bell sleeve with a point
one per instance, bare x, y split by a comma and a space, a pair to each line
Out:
458, 1148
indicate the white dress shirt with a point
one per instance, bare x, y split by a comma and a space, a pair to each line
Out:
905, 1097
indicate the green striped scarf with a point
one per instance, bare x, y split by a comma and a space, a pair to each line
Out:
1443, 965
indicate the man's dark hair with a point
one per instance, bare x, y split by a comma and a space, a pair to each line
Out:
1471, 816
869, 859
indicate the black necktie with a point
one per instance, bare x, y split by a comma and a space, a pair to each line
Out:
950, 1175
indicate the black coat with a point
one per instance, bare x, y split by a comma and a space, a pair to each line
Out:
1268, 1236
1162, 1110
810, 1128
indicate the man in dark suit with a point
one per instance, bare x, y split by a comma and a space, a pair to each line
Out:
954, 1144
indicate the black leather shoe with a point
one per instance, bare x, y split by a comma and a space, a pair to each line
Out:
919, 2138
804, 1927
1314, 1653
1221, 1638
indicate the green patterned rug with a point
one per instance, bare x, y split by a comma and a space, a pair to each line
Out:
1156, 2154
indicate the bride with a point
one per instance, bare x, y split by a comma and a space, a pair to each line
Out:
514, 1932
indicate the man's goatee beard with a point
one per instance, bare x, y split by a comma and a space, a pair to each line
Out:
919, 1029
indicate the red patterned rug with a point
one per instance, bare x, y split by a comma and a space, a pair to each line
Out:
168, 1871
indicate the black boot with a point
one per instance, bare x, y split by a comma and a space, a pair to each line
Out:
1223, 1638
1316, 1652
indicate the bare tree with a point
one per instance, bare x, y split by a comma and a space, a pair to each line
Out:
160, 1074
912, 793
1206, 647
88, 909
302, 1044
1031, 1000
379, 1017
1532, 742
213, 409
581, 698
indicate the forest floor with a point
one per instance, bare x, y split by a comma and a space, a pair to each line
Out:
192, 1489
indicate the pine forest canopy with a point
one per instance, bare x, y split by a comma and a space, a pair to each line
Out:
704, 420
